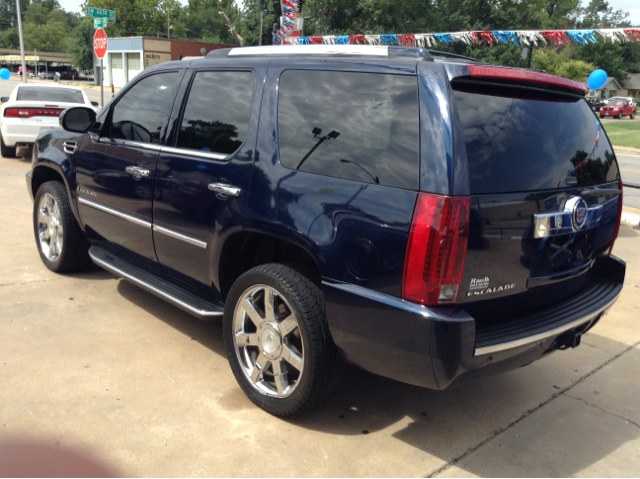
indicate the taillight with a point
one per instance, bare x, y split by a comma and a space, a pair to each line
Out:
615, 235
521, 75
436, 250
29, 112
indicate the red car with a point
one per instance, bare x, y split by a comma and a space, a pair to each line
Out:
618, 109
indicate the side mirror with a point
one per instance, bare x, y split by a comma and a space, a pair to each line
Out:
4, 99
95, 103
77, 119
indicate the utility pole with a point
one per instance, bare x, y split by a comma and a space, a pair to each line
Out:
24, 63
168, 23
261, 19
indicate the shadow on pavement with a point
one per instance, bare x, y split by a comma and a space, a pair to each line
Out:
445, 424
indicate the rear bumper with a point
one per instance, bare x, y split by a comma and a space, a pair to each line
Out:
437, 347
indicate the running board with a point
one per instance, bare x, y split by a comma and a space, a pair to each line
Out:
162, 288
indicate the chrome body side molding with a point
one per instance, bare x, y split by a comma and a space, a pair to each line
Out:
114, 212
181, 236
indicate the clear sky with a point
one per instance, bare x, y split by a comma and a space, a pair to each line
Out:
632, 6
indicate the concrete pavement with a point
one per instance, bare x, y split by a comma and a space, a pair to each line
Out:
93, 366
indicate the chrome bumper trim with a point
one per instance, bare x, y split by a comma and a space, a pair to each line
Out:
495, 348
113, 212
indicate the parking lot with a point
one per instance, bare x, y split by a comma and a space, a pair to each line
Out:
92, 365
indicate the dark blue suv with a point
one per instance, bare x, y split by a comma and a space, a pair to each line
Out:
424, 216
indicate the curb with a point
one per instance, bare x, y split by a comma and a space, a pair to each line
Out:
630, 219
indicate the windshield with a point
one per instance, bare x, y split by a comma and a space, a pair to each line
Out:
618, 103
62, 95
518, 144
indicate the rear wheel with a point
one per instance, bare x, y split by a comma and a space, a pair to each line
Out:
278, 342
633, 115
61, 243
7, 151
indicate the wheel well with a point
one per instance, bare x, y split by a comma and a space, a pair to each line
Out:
245, 250
42, 175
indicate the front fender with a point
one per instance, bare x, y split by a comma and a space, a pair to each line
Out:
51, 162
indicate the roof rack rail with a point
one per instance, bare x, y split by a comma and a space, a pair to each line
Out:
438, 53
338, 50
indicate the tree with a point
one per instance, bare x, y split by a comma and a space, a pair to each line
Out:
81, 45
249, 26
561, 64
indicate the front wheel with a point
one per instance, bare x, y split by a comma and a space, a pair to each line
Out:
633, 115
619, 116
61, 243
278, 341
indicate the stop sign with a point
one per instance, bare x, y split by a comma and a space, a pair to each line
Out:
100, 43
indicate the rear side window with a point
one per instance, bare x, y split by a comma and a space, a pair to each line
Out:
62, 95
217, 114
356, 126
525, 144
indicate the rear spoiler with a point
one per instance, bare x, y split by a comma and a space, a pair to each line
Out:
516, 76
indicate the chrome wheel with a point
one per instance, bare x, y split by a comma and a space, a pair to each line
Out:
267, 341
50, 230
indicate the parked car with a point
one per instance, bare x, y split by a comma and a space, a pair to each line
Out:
630, 99
618, 109
596, 103
425, 216
32, 109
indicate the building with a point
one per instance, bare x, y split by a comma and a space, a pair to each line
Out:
126, 57
632, 86
610, 89
37, 62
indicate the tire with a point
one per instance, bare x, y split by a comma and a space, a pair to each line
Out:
633, 115
60, 241
619, 116
299, 345
7, 151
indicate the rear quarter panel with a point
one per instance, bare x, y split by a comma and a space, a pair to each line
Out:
356, 232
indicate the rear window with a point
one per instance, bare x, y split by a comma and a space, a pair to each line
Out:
525, 144
62, 95
351, 125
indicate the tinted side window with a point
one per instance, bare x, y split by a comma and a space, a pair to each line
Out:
140, 114
356, 126
218, 111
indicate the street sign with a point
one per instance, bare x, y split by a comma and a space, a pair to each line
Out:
100, 43
101, 13
99, 23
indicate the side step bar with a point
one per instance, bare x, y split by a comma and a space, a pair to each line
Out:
162, 288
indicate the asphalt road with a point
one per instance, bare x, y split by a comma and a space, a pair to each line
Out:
630, 173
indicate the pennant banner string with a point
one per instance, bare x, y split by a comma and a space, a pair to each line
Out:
428, 40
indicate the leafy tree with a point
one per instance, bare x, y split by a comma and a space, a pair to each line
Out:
249, 26
81, 45
203, 22
561, 64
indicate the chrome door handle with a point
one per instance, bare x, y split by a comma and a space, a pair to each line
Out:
69, 146
137, 171
225, 189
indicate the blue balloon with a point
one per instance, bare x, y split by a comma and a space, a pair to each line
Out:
5, 74
597, 79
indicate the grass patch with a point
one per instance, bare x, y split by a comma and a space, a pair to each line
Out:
624, 133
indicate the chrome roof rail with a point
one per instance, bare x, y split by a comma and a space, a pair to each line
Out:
337, 50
